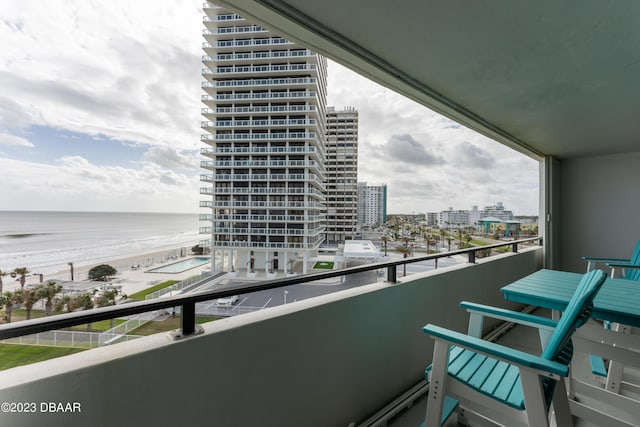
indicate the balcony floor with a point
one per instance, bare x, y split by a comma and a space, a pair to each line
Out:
525, 339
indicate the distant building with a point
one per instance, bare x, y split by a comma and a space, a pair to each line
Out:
497, 211
342, 174
432, 218
372, 204
453, 218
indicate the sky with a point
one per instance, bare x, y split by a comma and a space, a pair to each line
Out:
100, 111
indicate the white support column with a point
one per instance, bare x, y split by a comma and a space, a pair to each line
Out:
286, 262
305, 261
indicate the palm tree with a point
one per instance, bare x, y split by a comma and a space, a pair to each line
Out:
49, 292
59, 303
385, 239
2, 273
22, 272
405, 251
107, 298
3, 300
10, 299
29, 298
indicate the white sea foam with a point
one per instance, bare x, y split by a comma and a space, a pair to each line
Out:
46, 242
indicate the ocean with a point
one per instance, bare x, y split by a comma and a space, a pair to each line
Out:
45, 242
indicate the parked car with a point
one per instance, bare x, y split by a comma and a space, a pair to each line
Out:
232, 300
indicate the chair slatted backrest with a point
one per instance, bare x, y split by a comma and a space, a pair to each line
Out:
575, 315
633, 273
559, 347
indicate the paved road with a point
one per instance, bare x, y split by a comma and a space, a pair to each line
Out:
288, 294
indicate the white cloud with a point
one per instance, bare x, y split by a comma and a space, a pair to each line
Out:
73, 183
105, 67
130, 71
6, 139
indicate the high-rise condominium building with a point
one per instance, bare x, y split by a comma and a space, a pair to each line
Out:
342, 174
265, 115
372, 204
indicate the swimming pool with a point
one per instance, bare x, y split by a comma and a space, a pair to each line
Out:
180, 266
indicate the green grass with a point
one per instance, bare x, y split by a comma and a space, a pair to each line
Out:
169, 324
17, 355
326, 265
479, 242
101, 326
140, 296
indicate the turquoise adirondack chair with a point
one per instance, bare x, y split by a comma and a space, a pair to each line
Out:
631, 266
612, 374
489, 383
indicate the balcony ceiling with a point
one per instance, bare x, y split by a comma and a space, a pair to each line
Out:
546, 77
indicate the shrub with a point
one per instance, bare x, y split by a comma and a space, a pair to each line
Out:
102, 272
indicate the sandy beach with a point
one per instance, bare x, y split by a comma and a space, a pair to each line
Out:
131, 279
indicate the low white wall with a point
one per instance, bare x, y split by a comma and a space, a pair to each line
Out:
325, 361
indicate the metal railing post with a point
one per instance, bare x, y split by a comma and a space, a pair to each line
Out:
188, 319
472, 257
514, 248
392, 274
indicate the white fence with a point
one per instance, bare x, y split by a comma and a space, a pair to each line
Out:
73, 339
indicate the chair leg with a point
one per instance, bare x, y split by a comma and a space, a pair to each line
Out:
560, 405
534, 403
437, 384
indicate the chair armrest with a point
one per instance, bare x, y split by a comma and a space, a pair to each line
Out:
509, 315
622, 265
588, 258
497, 351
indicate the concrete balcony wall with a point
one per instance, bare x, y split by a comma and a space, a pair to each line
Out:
326, 361
600, 208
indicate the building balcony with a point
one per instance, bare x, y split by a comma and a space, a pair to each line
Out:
257, 245
256, 150
230, 124
213, 113
260, 190
248, 45
213, 165
253, 56
211, 22
261, 205
262, 218
261, 231
257, 70
262, 96
307, 82
212, 36
356, 349
264, 177
215, 151
289, 136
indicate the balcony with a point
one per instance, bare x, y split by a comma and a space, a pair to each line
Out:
212, 113
258, 136
262, 96
264, 177
263, 218
334, 348
251, 71
558, 88
230, 124
309, 82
